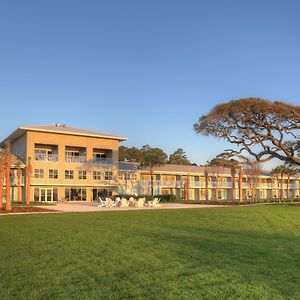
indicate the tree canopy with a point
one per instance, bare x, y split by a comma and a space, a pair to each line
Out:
260, 129
132, 154
153, 157
178, 157
222, 160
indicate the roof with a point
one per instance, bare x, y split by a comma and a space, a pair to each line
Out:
182, 169
128, 166
185, 169
191, 169
63, 129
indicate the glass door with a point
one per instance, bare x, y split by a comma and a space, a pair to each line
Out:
46, 194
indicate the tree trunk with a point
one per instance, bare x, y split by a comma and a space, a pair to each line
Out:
217, 187
19, 187
28, 180
2, 170
233, 184
241, 185
187, 189
27, 200
151, 175
7, 172
288, 186
206, 184
281, 188
1, 193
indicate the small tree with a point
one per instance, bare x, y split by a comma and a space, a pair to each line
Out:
2, 172
279, 171
8, 159
28, 180
290, 170
253, 172
152, 157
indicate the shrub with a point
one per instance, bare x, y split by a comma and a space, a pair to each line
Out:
167, 197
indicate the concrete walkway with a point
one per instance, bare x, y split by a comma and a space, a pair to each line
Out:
85, 207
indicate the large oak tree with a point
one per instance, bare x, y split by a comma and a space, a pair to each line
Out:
259, 129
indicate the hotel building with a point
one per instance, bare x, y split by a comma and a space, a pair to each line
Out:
71, 164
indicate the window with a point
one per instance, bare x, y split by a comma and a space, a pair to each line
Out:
40, 154
81, 174
96, 175
129, 176
69, 174
108, 176
38, 173
75, 194
53, 174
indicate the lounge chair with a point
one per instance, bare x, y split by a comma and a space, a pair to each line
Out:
102, 202
154, 203
124, 203
140, 202
110, 203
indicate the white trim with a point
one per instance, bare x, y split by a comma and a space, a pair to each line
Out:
120, 138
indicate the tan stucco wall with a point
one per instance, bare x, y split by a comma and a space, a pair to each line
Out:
19, 147
63, 140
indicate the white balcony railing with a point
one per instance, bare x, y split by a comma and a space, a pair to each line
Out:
45, 157
168, 183
102, 161
75, 159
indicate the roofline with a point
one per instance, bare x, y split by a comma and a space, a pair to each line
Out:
119, 138
25, 129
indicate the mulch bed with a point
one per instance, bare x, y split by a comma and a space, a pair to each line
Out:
25, 209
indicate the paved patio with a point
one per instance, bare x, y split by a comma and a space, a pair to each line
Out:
86, 207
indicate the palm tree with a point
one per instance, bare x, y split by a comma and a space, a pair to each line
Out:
187, 187
152, 157
241, 185
19, 176
8, 159
279, 170
28, 180
206, 183
2, 172
289, 171
223, 161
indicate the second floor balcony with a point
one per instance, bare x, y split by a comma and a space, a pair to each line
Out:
46, 157
102, 161
75, 159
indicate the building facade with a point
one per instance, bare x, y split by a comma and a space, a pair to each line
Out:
77, 165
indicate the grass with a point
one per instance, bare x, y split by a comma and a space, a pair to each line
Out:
214, 253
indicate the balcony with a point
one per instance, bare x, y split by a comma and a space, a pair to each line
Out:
168, 183
102, 161
45, 152
75, 159
46, 157
266, 185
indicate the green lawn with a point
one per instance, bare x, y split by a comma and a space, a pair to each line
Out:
214, 253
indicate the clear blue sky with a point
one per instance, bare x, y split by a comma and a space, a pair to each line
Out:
144, 69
